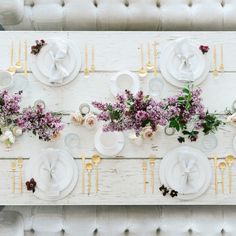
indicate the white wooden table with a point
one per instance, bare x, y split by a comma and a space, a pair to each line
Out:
121, 178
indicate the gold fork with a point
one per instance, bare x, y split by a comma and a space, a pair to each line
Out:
152, 164
144, 176
93, 61
13, 169
18, 63
12, 68
221, 67
20, 166
155, 59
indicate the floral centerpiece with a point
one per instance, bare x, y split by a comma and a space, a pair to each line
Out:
9, 113
14, 121
184, 112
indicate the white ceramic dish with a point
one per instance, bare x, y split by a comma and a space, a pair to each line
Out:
6, 80
124, 80
74, 55
201, 61
109, 143
66, 184
208, 171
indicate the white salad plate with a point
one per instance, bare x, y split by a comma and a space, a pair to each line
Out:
167, 177
124, 80
109, 143
169, 64
40, 64
66, 171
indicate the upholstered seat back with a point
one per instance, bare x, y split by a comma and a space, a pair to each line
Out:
124, 220
118, 14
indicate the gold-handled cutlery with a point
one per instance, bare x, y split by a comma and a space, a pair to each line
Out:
149, 64
12, 68
13, 170
93, 61
155, 59
20, 166
83, 172
221, 67
222, 167
86, 69
96, 159
152, 165
216, 175
142, 71
25, 59
144, 176
89, 168
229, 161
18, 63
215, 71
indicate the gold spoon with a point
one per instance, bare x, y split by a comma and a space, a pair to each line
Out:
222, 167
96, 159
149, 64
89, 167
142, 71
18, 63
229, 161
93, 61
155, 59
86, 69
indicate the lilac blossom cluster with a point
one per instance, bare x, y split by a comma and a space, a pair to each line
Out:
184, 112
44, 124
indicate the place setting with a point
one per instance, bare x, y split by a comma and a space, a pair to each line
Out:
56, 61
184, 61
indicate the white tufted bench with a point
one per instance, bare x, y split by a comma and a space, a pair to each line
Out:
118, 14
125, 220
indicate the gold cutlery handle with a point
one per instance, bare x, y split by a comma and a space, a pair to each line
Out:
97, 179
144, 181
230, 180
82, 181
13, 182
25, 61
152, 178
89, 182
21, 182
223, 182
216, 181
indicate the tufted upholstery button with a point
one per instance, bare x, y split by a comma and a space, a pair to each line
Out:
190, 4
95, 3
222, 3
32, 4
126, 3
32, 231
158, 4
63, 4
126, 232
95, 232
222, 231
190, 231
158, 230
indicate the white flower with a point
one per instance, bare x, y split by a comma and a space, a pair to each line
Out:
8, 137
77, 118
147, 132
17, 131
232, 119
90, 121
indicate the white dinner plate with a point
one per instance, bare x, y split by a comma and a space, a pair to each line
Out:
73, 51
124, 80
109, 143
174, 172
200, 73
49, 195
208, 171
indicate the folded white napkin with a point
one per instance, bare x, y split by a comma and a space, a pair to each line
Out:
184, 52
188, 181
58, 53
50, 175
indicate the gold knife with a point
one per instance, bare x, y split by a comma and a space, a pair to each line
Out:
83, 169
25, 60
216, 176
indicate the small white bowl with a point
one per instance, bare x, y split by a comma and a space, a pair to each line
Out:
6, 80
